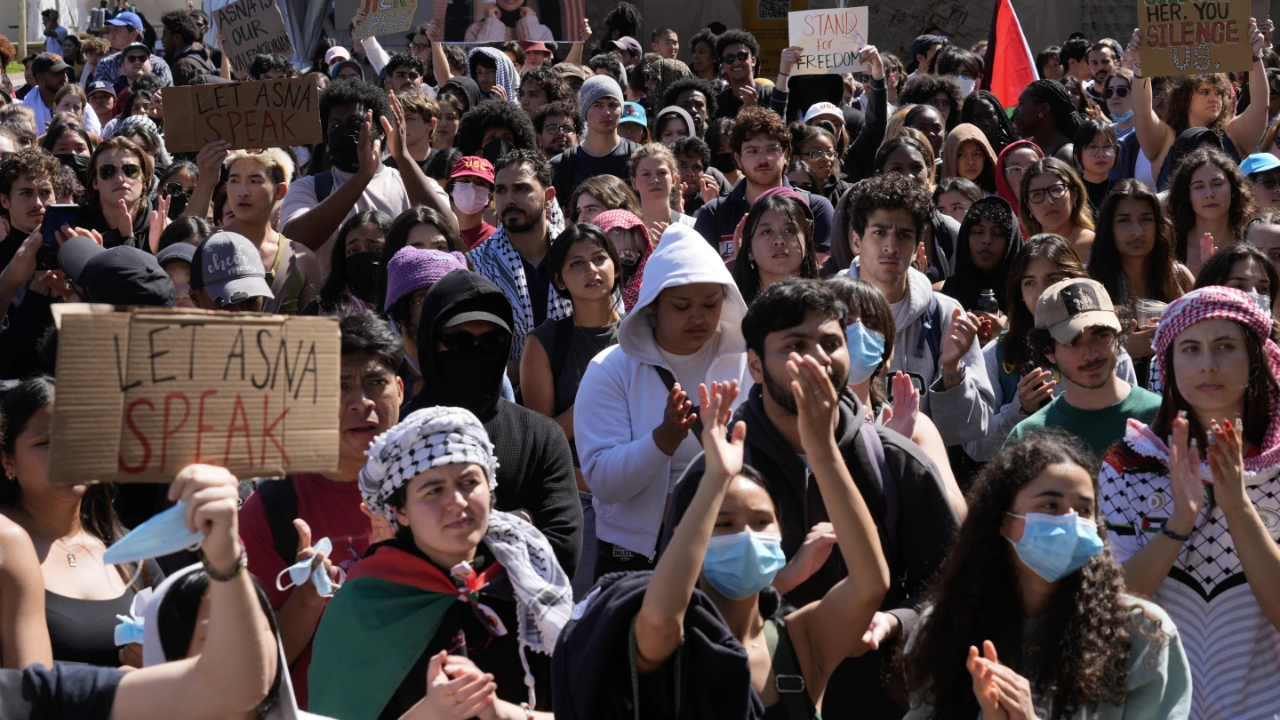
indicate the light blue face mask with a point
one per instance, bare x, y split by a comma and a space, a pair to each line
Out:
164, 534
1262, 302
1054, 546
299, 571
741, 565
1120, 119
866, 351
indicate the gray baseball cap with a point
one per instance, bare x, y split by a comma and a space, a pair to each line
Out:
227, 265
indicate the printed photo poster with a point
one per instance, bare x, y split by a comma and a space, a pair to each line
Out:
831, 40
1188, 38
495, 21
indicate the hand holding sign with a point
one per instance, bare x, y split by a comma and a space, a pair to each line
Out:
264, 113
829, 40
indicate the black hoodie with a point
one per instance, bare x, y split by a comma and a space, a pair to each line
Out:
535, 466
915, 542
468, 87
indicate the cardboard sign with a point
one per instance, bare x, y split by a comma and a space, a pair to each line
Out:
831, 40
144, 392
252, 27
256, 114
1188, 38
384, 17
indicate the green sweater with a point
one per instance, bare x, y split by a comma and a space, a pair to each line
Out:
1159, 686
1099, 428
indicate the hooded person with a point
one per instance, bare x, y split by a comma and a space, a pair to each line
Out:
951, 165
506, 75
464, 341
1205, 562
1189, 141
385, 635
974, 274
633, 254
635, 430
667, 113
466, 87
1004, 185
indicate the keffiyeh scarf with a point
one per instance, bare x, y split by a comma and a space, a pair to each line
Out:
506, 74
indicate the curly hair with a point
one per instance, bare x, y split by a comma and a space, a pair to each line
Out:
679, 87
413, 62
887, 192
550, 81
737, 37
351, 91
181, 24
266, 62
611, 65
1243, 206
566, 108
753, 122
1163, 282
1080, 656
536, 161
1057, 250
746, 273
625, 18
610, 190
1177, 109
494, 113
708, 36
29, 163
1081, 215
922, 89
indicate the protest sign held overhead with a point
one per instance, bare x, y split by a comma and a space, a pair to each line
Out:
1187, 38
252, 27
384, 17
256, 114
144, 392
831, 40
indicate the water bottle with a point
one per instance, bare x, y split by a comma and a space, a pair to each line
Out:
987, 302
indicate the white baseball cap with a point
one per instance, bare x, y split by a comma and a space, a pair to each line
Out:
335, 54
824, 109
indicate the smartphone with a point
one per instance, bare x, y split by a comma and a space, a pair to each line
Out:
55, 216
1025, 369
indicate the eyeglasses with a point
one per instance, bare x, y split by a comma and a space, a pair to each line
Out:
415, 47
755, 152
558, 129
492, 341
108, 171
1100, 149
1056, 191
1014, 171
820, 154
173, 189
731, 58
1115, 92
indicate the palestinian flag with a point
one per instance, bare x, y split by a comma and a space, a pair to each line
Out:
376, 628
1010, 65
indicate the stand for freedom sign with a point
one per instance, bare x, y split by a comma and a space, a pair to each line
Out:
1187, 38
831, 39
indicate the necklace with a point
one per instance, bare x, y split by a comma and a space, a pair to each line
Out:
71, 554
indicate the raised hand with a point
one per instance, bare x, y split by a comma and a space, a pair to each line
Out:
211, 157
212, 498
817, 402
1207, 247
655, 232
455, 691
789, 58
394, 127
1012, 691
883, 626
901, 417
737, 236
811, 556
159, 221
984, 686
869, 56
125, 228
1226, 462
723, 452
677, 419
305, 551
370, 149
709, 189
1184, 478
958, 340
922, 258
748, 96
1257, 40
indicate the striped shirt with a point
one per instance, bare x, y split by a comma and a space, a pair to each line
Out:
1233, 649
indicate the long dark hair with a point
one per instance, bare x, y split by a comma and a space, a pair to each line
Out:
1059, 251
871, 307
968, 282
573, 234
97, 515
1242, 209
1006, 133
1079, 658
1217, 269
1164, 283
1081, 215
746, 273
332, 292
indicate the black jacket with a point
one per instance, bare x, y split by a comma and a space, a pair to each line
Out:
190, 63
535, 466
593, 671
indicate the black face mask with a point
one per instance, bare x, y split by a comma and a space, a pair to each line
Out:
629, 268
362, 274
471, 378
724, 162
344, 147
78, 163
177, 205
495, 149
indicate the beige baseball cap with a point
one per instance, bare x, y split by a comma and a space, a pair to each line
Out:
1069, 307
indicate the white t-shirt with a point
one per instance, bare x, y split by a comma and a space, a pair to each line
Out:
54, 45
385, 192
690, 371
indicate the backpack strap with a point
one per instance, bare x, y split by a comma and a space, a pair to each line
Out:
787, 679
670, 381
888, 485
324, 185
933, 328
280, 501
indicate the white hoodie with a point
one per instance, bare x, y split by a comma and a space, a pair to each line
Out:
622, 399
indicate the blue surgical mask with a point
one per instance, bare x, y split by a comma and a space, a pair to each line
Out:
1123, 118
299, 571
741, 565
1054, 546
866, 351
164, 534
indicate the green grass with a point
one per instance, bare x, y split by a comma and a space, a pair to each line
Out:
14, 67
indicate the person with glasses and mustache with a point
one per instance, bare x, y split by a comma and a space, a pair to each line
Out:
117, 202
558, 125
739, 54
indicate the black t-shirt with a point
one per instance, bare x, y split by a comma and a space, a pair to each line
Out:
585, 165
538, 280
67, 692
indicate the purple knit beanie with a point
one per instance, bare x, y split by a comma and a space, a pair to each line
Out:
413, 269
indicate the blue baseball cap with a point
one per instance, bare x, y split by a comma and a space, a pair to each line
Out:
1259, 163
101, 86
634, 113
128, 19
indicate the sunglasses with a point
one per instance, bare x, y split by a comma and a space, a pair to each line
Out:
1111, 92
1269, 182
492, 341
730, 58
174, 189
108, 171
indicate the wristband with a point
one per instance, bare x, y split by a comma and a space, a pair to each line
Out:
958, 377
1164, 530
242, 562
528, 711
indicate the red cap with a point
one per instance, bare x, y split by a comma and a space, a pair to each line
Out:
531, 46
473, 166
